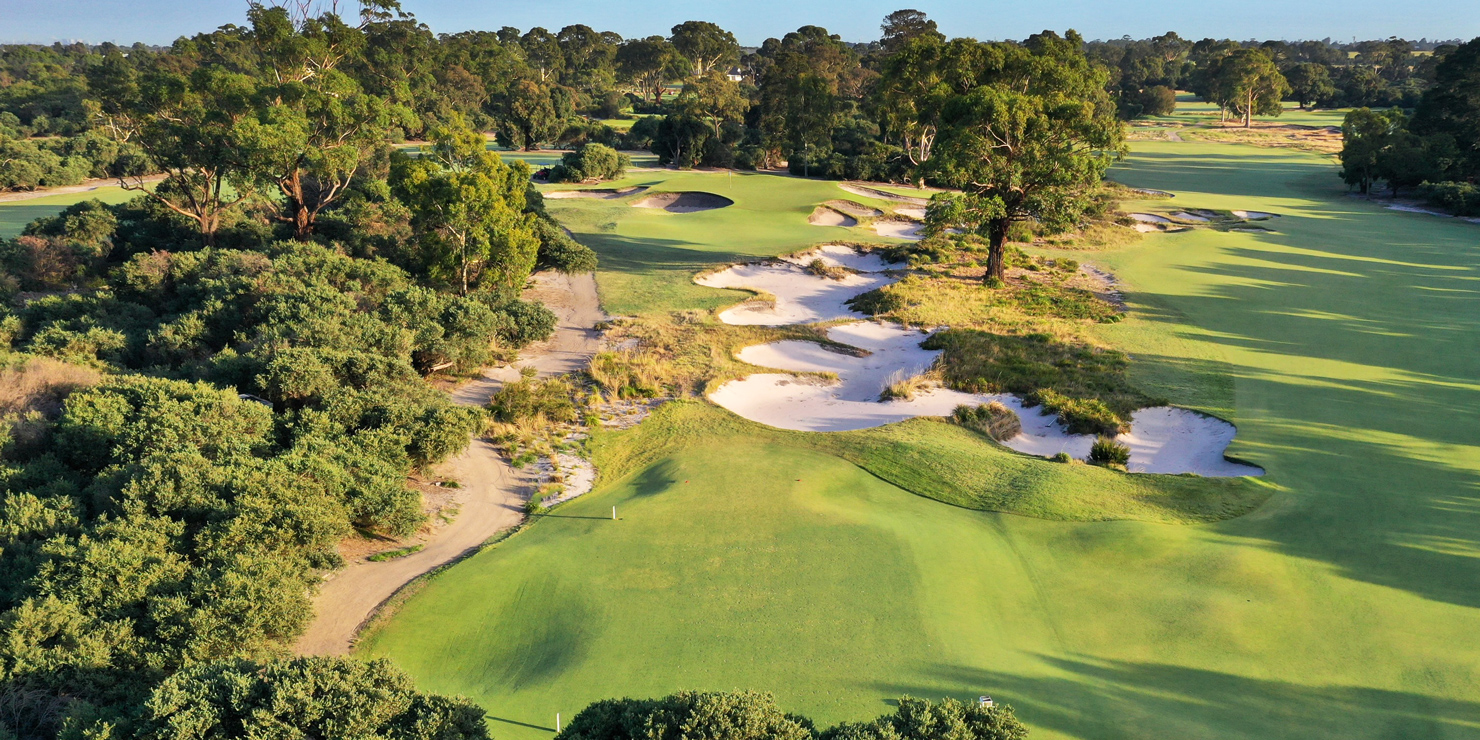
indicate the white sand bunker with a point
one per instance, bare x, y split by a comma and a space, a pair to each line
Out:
1162, 440
797, 296
683, 202
601, 193
837, 255
1255, 215
913, 212
869, 192
824, 216
1190, 216
1150, 218
900, 229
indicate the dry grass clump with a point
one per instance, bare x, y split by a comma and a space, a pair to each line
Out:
823, 270
902, 386
31, 396
993, 419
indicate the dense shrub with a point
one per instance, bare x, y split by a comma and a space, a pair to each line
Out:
1158, 100
1106, 451
527, 400
558, 251
1459, 198
592, 161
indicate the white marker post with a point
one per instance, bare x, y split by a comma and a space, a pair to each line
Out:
557, 722
614, 513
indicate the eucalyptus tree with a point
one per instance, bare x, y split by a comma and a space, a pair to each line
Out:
704, 45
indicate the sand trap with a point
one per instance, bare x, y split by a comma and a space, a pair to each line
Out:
1153, 193
869, 192
1255, 215
1189, 216
683, 202
910, 212
601, 193
800, 296
824, 216
837, 255
1150, 218
1416, 209
900, 229
857, 210
1162, 439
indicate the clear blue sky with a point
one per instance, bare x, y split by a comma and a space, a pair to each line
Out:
161, 21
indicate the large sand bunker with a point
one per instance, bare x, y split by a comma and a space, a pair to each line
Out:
900, 229
856, 210
796, 295
868, 192
824, 216
914, 212
837, 255
683, 202
600, 193
1162, 440
1255, 215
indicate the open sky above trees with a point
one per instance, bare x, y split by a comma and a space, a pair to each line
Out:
161, 21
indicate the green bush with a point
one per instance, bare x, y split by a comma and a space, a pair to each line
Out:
592, 161
558, 251
1106, 451
530, 399
1459, 198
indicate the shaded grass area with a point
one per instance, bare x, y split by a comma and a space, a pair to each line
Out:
946, 462
14, 215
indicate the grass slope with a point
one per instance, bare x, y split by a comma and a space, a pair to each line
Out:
649, 256
1346, 607
14, 215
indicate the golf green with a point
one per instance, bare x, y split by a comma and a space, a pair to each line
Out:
1343, 344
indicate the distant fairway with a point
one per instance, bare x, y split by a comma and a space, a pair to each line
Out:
648, 257
14, 215
1346, 347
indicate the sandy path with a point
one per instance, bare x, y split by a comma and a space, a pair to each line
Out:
492, 495
86, 187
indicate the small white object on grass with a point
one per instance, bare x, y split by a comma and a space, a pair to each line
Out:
614, 513
557, 722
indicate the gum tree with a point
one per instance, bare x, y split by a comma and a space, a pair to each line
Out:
1030, 141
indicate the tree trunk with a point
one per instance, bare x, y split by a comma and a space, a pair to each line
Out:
996, 255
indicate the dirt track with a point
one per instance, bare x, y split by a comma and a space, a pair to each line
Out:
492, 493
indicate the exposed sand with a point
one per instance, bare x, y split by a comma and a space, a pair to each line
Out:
1150, 218
1255, 215
900, 229
601, 193
910, 212
1162, 440
837, 255
1189, 216
800, 296
869, 192
824, 216
683, 202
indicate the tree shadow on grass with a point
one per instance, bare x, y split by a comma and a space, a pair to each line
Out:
1092, 698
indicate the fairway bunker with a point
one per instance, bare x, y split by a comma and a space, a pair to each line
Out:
856, 210
683, 202
1162, 439
1192, 216
1254, 215
824, 216
915, 212
900, 229
1148, 222
595, 193
790, 294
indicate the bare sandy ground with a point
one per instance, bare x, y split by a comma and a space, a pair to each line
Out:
837, 255
1255, 215
795, 296
900, 229
685, 202
824, 216
597, 193
1162, 439
915, 212
492, 495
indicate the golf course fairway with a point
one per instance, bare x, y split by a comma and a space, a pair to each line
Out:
1344, 344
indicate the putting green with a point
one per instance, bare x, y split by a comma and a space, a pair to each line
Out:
649, 256
1344, 347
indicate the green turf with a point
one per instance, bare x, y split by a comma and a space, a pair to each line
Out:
1191, 110
649, 256
1344, 347
14, 215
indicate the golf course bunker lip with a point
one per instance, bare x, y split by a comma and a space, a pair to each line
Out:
1162, 439
838, 255
900, 229
824, 216
868, 192
915, 212
1254, 215
1150, 218
798, 296
1190, 216
596, 193
691, 201
856, 210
